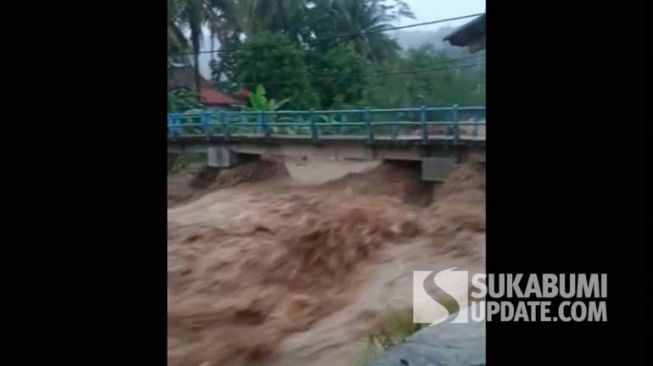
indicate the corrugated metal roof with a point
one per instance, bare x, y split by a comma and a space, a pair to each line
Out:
469, 34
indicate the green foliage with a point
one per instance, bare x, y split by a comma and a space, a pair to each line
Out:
258, 101
281, 69
191, 15
332, 18
271, 43
339, 75
394, 327
426, 78
182, 100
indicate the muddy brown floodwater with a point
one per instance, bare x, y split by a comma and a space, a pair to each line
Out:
292, 264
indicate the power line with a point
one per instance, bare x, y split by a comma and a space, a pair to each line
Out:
400, 71
347, 35
472, 57
391, 73
431, 22
418, 71
381, 30
478, 57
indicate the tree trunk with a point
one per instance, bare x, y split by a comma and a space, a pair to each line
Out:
196, 72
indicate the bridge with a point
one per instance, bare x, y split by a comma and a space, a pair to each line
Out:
439, 137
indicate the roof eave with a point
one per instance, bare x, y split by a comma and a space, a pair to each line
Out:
467, 33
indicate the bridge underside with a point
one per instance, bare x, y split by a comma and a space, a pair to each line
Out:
438, 156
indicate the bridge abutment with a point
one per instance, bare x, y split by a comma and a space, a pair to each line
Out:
221, 157
436, 169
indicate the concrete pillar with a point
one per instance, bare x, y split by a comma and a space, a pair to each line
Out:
437, 169
221, 157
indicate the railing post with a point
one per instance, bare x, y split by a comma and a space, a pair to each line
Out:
395, 125
206, 124
225, 125
239, 122
456, 130
368, 123
424, 127
343, 119
298, 128
314, 133
171, 128
178, 128
262, 122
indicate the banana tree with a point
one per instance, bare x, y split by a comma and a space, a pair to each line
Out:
258, 101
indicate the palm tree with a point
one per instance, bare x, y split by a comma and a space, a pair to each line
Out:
227, 20
191, 15
253, 16
177, 42
363, 20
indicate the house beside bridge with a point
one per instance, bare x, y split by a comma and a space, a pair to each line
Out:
211, 98
470, 35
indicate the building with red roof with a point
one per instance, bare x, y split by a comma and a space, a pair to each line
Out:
210, 96
214, 98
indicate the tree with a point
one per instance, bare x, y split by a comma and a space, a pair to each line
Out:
182, 99
425, 77
247, 17
269, 59
319, 53
192, 15
186, 14
258, 101
337, 75
232, 22
362, 20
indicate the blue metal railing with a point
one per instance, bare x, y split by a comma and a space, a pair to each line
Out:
425, 123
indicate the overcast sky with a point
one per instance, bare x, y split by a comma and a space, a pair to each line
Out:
424, 10
427, 10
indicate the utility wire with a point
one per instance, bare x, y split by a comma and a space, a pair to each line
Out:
391, 73
348, 35
326, 76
